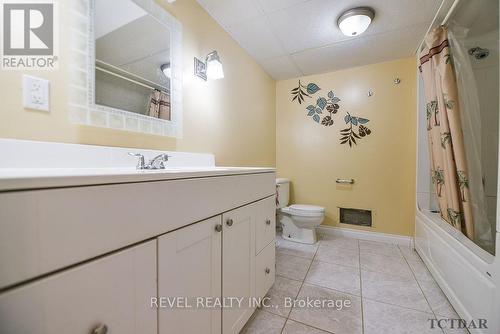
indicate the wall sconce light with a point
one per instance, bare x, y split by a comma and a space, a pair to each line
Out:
211, 68
167, 70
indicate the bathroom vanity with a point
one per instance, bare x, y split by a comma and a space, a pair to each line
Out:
106, 249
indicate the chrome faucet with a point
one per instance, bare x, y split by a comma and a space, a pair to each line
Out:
157, 162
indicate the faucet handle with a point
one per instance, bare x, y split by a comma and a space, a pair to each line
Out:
158, 161
140, 163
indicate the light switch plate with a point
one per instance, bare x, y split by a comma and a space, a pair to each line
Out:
36, 92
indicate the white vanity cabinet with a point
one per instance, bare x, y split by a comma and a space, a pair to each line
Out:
137, 257
112, 292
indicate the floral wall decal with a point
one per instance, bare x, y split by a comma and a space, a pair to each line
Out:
298, 94
324, 110
349, 135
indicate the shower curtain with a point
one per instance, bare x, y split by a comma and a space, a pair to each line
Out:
445, 137
159, 105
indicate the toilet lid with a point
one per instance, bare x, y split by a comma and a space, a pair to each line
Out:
306, 209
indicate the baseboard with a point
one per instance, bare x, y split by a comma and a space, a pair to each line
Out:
366, 235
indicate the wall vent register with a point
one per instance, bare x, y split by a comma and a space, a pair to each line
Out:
357, 217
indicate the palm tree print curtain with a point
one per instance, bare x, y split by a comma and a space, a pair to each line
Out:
444, 129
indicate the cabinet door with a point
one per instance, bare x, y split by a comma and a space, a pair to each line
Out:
238, 266
113, 292
189, 266
265, 223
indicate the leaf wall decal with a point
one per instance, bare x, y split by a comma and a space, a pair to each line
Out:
312, 88
321, 102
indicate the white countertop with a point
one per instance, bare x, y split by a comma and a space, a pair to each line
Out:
39, 178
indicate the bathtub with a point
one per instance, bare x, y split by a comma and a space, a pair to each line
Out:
467, 274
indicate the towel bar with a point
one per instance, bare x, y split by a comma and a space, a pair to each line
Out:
345, 181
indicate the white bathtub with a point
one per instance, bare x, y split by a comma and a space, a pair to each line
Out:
468, 275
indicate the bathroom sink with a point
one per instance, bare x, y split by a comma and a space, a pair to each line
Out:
36, 178
37, 165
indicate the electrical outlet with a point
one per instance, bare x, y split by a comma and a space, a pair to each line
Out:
36, 92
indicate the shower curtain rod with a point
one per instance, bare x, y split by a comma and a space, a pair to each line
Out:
128, 76
445, 20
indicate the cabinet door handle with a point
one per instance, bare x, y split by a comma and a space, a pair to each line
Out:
101, 329
267, 270
229, 222
268, 221
218, 227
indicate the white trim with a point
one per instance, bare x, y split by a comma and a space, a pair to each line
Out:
366, 235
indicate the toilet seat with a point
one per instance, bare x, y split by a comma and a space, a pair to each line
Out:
304, 210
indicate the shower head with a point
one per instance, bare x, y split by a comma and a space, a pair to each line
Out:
479, 53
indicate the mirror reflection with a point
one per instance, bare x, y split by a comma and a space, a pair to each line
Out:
132, 59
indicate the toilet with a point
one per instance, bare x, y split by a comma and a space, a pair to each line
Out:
299, 221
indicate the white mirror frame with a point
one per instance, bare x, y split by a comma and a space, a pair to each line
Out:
84, 110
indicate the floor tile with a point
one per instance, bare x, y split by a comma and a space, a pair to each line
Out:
455, 331
380, 318
339, 242
290, 266
437, 299
381, 248
282, 288
293, 327
420, 270
345, 320
409, 253
338, 255
263, 322
392, 289
385, 264
297, 249
333, 276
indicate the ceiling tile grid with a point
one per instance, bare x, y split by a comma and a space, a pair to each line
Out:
291, 38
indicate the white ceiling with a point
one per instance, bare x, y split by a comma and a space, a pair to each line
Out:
106, 23
292, 38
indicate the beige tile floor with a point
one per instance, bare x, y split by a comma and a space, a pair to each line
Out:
389, 288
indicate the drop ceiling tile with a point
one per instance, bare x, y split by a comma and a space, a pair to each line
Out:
313, 23
227, 12
361, 51
281, 68
307, 25
307, 30
255, 36
269, 6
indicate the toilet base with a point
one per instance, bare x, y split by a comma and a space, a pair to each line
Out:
296, 234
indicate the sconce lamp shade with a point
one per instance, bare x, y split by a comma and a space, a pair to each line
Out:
214, 66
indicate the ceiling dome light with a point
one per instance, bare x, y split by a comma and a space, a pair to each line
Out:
355, 21
167, 70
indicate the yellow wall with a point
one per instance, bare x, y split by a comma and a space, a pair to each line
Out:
382, 164
234, 118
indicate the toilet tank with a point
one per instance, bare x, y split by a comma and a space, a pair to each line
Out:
283, 192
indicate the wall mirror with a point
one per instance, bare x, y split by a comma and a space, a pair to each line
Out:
134, 68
